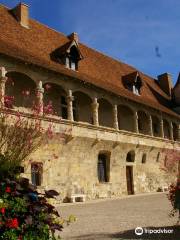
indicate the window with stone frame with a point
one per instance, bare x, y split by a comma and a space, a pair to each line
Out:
144, 156
130, 157
165, 161
36, 173
158, 157
103, 168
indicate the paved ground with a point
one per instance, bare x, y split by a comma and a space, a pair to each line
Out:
117, 219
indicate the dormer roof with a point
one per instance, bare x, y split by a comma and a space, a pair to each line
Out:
132, 78
66, 48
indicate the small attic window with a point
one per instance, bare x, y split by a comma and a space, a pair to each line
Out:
137, 86
133, 83
72, 58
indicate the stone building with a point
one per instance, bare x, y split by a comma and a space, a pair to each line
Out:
116, 120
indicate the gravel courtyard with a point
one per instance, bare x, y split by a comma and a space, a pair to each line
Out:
117, 219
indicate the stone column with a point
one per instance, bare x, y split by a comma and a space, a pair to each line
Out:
136, 130
3, 79
171, 131
150, 126
70, 100
115, 117
40, 92
161, 128
95, 106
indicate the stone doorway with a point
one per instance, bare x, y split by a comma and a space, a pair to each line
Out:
129, 179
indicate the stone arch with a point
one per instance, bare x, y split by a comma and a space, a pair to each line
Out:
143, 122
175, 131
21, 89
82, 107
105, 113
130, 157
125, 118
166, 129
103, 166
156, 126
55, 100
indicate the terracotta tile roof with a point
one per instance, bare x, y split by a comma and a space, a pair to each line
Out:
36, 44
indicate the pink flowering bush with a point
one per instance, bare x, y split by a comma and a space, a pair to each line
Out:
24, 213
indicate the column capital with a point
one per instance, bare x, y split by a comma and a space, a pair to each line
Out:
40, 88
95, 103
3, 72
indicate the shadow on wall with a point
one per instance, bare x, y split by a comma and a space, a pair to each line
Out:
130, 235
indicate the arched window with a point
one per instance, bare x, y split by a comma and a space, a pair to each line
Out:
166, 129
156, 126
103, 168
125, 118
55, 101
130, 156
20, 90
82, 106
105, 113
143, 122
36, 173
144, 156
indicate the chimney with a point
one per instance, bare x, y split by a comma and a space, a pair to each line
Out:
21, 12
74, 36
165, 83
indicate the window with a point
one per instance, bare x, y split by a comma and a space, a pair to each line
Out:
165, 161
144, 158
103, 168
36, 174
158, 157
136, 89
71, 63
130, 156
64, 110
133, 82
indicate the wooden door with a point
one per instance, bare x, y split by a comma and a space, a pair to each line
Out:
129, 179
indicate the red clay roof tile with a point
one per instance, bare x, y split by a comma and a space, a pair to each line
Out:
35, 45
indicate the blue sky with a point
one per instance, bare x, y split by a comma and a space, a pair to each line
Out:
142, 33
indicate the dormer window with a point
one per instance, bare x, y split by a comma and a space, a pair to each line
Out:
72, 59
68, 55
133, 82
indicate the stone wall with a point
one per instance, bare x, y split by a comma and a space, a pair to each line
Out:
71, 166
